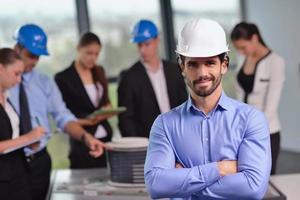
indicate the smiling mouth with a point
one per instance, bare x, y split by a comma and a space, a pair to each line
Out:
202, 82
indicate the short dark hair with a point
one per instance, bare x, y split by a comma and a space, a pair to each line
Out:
245, 31
8, 56
223, 56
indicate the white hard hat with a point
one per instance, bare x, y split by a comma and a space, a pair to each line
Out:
202, 38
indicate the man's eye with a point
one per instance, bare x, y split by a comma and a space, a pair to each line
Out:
192, 64
210, 63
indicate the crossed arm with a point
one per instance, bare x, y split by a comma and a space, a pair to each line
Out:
250, 181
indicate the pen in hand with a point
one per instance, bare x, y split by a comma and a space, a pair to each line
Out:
36, 145
37, 121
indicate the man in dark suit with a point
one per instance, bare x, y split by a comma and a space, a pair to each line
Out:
150, 87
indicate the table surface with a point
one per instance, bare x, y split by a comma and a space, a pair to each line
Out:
289, 184
92, 184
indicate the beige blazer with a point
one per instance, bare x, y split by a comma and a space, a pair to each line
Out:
268, 83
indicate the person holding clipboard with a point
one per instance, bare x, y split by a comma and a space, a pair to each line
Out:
14, 182
84, 89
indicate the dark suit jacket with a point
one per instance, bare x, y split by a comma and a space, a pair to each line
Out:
12, 165
78, 101
136, 93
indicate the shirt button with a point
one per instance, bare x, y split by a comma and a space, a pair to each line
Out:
205, 139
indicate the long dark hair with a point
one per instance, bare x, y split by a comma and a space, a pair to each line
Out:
8, 56
245, 31
89, 38
97, 71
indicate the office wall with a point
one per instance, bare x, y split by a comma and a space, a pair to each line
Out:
280, 27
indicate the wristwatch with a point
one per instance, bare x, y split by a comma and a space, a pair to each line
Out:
82, 137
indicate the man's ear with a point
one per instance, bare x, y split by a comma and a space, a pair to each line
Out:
183, 74
181, 66
1, 68
157, 39
16, 48
224, 66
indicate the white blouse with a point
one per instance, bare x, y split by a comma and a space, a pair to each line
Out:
13, 117
92, 92
95, 97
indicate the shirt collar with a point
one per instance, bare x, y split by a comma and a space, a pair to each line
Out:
160, 67
6, 95
27, 76
223, 103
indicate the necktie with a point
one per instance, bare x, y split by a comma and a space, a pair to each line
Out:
25, 119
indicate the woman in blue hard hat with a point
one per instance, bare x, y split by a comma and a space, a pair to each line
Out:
260, 78
84, 88
14, 182
151, 86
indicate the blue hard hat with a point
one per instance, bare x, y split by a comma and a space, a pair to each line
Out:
143, 31
33, 38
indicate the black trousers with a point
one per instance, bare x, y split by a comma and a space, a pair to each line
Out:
275, 149
15, 189
39, 174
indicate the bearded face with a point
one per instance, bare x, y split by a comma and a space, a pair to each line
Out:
203, 75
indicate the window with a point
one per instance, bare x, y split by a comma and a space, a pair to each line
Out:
57, 18
113, 21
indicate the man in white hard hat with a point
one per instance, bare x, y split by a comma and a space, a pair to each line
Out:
211, 146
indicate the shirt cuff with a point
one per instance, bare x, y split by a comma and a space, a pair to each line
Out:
210, 172
62, 124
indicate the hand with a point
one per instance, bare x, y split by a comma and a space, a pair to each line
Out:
35, 146
96, 147
100, 118
86, 122
227, 167
95, 120
36, 133
178, 166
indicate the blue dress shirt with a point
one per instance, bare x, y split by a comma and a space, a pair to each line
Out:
231, 131
44, 100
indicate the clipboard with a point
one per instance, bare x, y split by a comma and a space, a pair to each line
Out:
20, 146
107, 111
